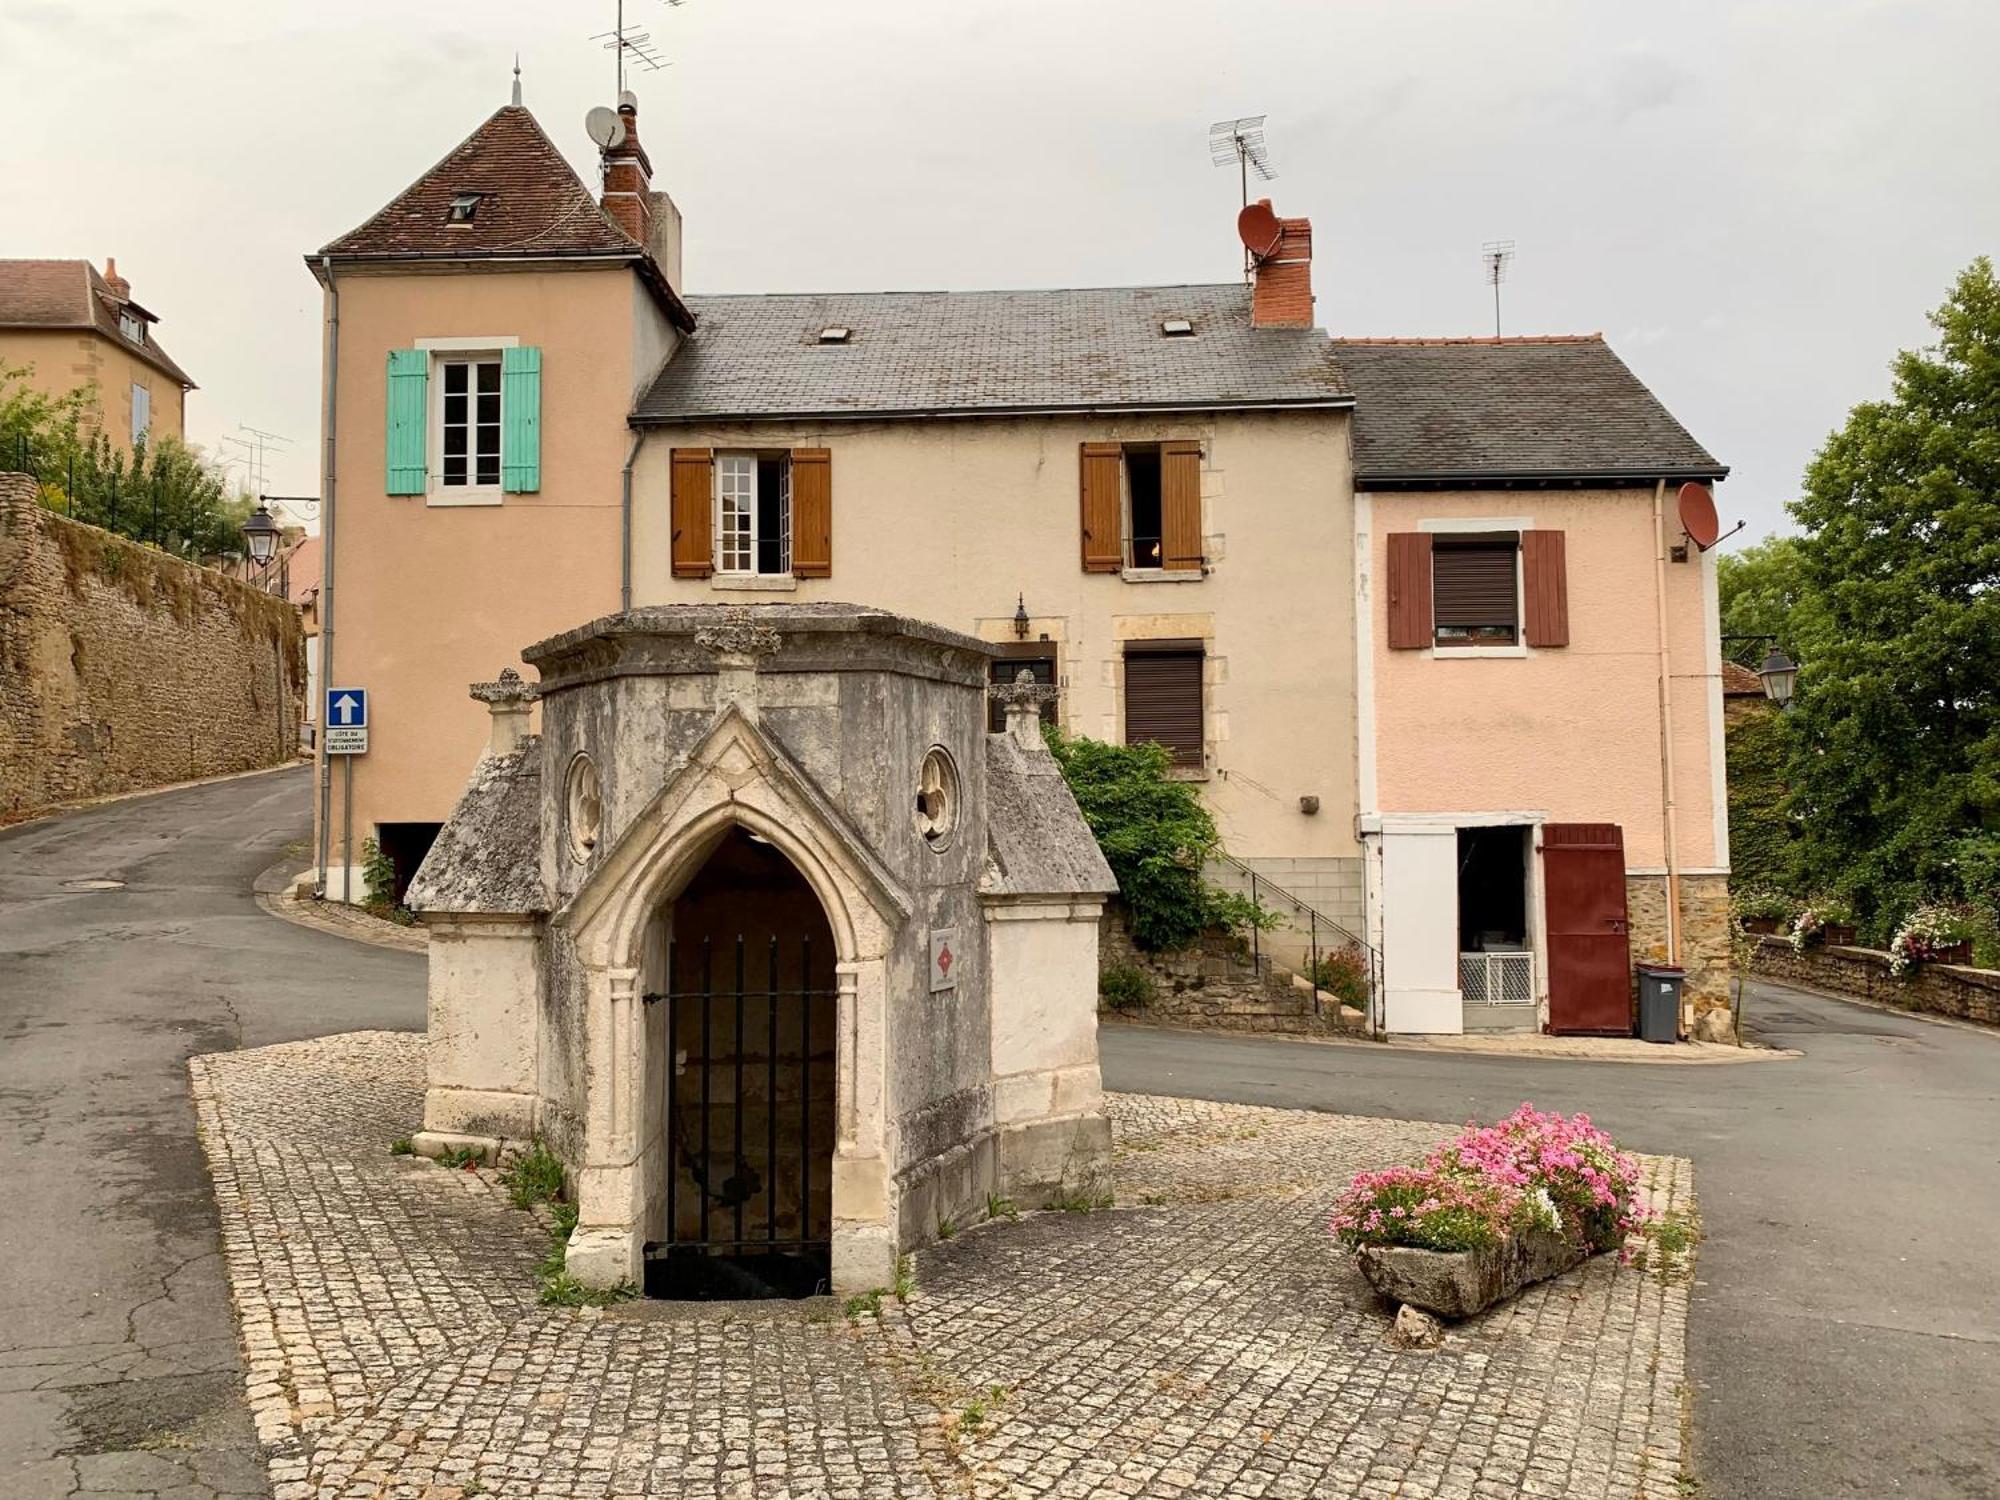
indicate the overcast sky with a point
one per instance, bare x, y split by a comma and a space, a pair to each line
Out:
1755, 202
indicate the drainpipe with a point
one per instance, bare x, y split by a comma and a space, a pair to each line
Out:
326, 571
625, 526
1668, 827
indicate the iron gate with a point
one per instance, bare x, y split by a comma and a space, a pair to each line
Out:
720, 1250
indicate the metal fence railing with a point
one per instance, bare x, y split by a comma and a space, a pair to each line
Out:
1317, 936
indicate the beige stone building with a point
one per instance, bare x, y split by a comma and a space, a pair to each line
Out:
1176, 505
72, 327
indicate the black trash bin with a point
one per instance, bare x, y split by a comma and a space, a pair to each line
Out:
1660, 1002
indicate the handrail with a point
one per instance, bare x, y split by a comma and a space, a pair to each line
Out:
1262, 886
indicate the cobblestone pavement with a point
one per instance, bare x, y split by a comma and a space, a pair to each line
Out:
1206, 1340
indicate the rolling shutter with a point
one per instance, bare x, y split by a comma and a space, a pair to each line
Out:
1544, 571
408, 415
521, 417
812, 513
693, 513
1180, 504
1102, 544
1163, 697
1473, 585
1409, 590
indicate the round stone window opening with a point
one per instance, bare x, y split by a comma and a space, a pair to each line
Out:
937, 798
583, 811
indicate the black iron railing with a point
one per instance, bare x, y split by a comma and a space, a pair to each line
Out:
1320, 933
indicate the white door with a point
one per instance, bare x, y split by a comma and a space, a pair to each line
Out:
1420, 931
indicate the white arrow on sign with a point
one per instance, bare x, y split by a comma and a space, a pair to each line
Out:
344, 707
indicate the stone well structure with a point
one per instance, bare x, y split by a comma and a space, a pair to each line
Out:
784, 954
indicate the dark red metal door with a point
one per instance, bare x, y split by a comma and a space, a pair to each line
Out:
1590, 956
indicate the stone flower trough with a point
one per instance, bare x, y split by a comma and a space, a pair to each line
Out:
1491, 1212
1459, 1283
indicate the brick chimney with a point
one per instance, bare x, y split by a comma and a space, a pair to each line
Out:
1281, 291
120, 287
628, 175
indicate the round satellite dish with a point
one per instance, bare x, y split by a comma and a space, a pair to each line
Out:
1257, 226
1697, 508
603, 126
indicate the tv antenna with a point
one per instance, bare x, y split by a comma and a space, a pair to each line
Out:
255, 448
1497, 256
633, 43
1241, 143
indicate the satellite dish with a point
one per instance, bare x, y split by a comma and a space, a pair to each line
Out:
1698, 520
1257, 226
603, 126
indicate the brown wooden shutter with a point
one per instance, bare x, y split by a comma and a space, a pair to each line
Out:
1409, 590
1544, 570
812, 513
1180, 504
1102, 544
693, 513
1163, 697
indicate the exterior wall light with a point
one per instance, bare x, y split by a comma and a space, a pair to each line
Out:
1021, 621
260, 532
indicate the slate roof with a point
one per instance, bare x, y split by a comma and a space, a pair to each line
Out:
488, 856
1037, 843
1462, 410
71, 294
968, 353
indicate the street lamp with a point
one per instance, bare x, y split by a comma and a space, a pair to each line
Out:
1780, 676
261, 533
1021, 620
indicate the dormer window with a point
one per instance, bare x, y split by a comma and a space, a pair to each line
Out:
835, 333
463, 207
131, 325
1176, 328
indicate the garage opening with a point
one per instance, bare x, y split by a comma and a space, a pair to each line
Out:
746, 1021
1496, 968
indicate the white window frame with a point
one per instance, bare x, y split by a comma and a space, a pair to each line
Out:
443, 351
1461, 525
142, 412
131, 325
730, 464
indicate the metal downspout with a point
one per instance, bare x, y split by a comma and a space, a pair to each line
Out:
625, 525
1669, 824
326, 569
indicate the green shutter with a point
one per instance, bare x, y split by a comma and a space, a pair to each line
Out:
521, 420
409, 415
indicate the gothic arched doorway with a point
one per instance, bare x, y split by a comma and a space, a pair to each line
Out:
741, 983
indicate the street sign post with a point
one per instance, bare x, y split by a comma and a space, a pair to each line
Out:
346, 721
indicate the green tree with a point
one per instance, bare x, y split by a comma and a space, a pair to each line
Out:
1895, 735
1761, 591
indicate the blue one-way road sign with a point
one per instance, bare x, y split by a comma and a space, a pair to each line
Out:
346, 721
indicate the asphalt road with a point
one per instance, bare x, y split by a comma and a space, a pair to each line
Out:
1844, 1337
118, 1360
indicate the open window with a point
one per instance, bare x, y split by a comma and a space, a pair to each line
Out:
753, 514
1142, 504
1142, 507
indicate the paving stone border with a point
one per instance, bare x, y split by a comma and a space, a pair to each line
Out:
1205, 1338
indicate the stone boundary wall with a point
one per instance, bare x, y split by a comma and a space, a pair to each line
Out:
1941, 989
123, 668
1211, 985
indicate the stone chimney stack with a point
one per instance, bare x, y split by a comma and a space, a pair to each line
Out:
120, 287
628, 176
1281, 293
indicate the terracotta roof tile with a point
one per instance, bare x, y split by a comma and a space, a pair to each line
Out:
1738, 681
532, 202
71, 294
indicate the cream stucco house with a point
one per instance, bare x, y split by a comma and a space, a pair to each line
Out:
1183, 507
71, 327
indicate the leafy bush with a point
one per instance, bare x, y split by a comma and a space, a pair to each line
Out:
1531, 1171
1125, 988
1343, 973
1758, 903
1156, 836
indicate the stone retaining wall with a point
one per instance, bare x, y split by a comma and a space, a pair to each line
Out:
1212, 985
123, 668
1942, 989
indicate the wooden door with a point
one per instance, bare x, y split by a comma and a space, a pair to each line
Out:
1590, 955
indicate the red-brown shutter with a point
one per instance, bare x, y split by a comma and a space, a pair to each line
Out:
812, 513
1180, 504
1163, 697
1102, 545
693, 513
1409, 590
1545, 573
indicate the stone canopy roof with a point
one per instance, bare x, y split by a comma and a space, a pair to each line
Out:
72, 294
487, 859
1461, 411
1037, 843
914, 354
